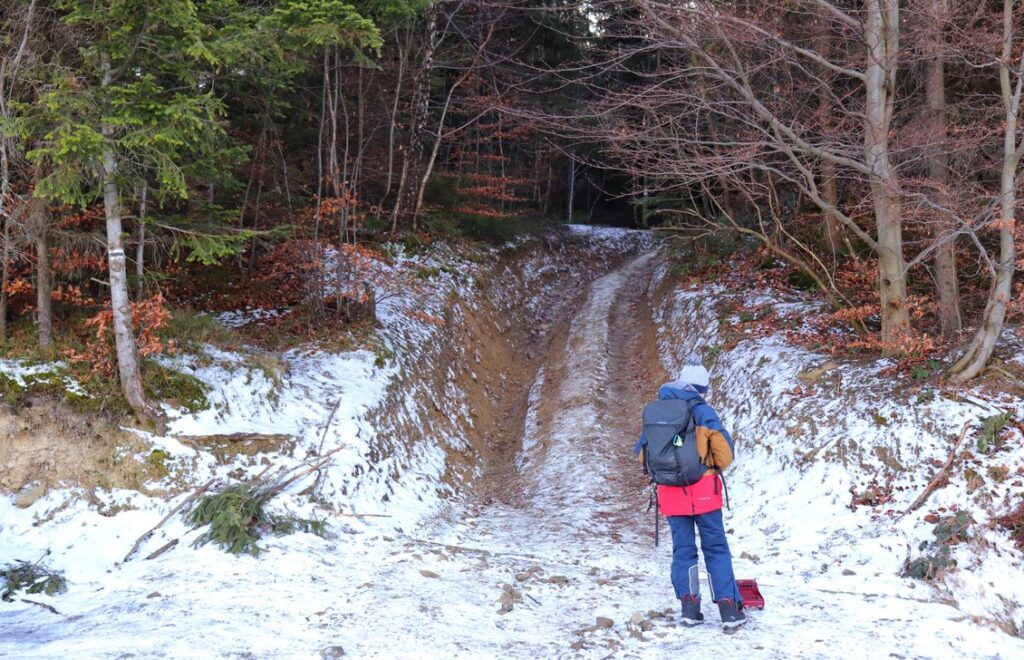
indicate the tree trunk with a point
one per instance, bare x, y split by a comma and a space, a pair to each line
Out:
421, 111
9, 72
39, 218
392, 122
128, 365
835, 237
429, 168
980, 350
572, 189
946, 285
881, 31
396, 209
6, 254
140, 249
5, 217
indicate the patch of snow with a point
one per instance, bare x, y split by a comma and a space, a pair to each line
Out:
239, 318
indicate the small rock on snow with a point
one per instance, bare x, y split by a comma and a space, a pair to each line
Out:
604, 622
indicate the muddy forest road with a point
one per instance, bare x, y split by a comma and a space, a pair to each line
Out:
561, 536
552, 557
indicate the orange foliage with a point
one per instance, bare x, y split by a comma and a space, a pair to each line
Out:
19, 285
72, 295
64, 261
148, 317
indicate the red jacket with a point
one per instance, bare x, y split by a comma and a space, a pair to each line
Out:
702, 497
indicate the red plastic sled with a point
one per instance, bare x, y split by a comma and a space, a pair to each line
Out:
751, 594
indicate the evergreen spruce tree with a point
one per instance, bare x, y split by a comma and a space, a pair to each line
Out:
131, 100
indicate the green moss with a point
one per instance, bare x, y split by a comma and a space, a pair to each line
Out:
174, 387
100, 397
194, 329
97, 396
11, 391
158, 461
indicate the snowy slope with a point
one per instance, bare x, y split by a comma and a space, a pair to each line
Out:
802, 450
523, 574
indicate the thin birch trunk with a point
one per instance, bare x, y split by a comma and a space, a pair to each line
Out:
129, 368
429, 168
421, 111
980, 350
401, 186
393, 121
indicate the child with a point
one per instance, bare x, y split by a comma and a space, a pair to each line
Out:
698, 508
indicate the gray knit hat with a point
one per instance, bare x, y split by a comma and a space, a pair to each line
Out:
694, 373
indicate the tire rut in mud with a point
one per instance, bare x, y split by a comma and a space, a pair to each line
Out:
629, 371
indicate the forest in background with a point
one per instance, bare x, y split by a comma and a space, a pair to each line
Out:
162, 156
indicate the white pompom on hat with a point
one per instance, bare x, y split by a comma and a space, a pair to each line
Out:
694, 373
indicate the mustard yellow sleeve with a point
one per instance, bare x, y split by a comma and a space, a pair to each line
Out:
713, 448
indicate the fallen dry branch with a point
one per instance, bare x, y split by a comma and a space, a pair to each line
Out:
145, 537
324, 459
362, 515
162, 549
941, 477
42, 605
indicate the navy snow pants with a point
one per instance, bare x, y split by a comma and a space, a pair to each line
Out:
685, 577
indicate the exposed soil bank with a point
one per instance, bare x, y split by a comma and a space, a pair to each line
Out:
46, 444
470, 385
462, 387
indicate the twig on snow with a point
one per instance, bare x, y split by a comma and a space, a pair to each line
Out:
42, 605
323, 438
145, 537
362, 515
942, 476
324, 460
162, 549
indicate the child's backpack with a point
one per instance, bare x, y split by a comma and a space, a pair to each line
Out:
670, 456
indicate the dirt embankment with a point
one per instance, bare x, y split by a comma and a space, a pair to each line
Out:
467, 391
471, 388
45, 443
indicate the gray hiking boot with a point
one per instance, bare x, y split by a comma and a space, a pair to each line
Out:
691, 615
732, 614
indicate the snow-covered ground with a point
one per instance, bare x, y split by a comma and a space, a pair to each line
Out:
805, 449
529, 571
